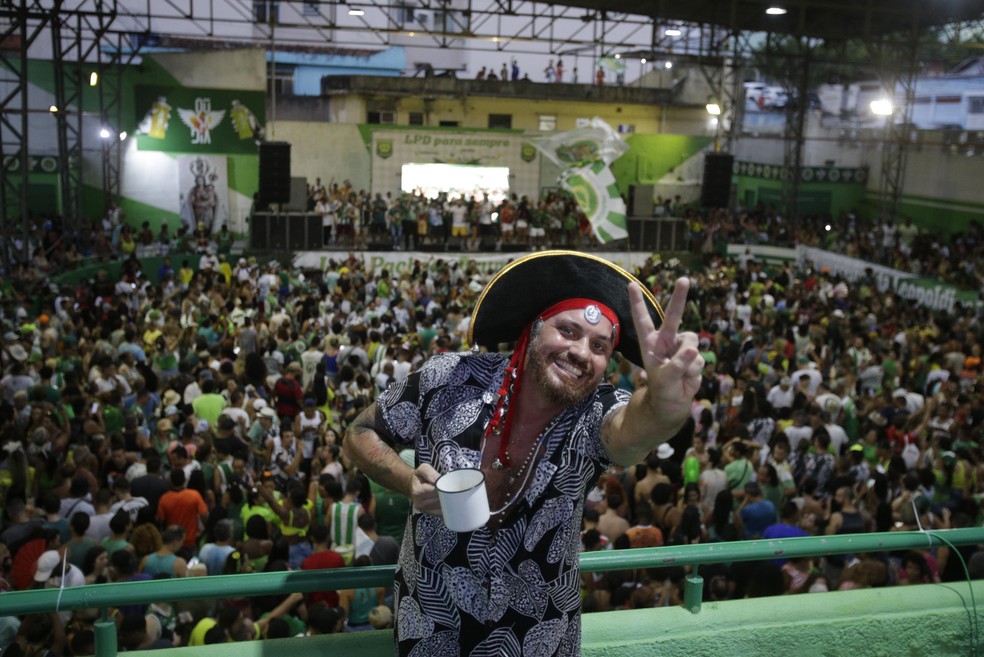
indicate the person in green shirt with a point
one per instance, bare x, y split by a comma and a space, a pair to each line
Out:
80, 545
209, 405
740, 470
119, 524
768, 480
112, 412
44, 390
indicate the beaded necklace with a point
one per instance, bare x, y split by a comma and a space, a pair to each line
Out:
525, 467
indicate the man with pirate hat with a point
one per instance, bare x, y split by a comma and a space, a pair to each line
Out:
542, 427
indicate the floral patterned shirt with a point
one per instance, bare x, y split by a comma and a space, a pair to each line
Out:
514, 591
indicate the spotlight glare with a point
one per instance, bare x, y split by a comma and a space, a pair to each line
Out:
672, 31
881, 107
775, 11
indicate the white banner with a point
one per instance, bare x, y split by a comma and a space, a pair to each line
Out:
851, 268
398, 262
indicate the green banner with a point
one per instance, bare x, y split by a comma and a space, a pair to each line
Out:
857, 175
185, 120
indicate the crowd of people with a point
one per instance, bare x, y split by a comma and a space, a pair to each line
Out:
459, 222
194, 427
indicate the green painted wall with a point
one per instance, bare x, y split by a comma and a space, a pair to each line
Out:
813, 197
41, 74
934, 215
136, 212
927, 620
650, 157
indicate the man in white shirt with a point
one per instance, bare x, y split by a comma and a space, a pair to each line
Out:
828, 401
782, 394
54, 571
812, 374
310, 358
800, 430
402, 366
838, 437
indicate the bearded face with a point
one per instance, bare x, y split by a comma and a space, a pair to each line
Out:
567, 357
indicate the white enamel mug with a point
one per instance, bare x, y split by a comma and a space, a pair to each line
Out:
464, 502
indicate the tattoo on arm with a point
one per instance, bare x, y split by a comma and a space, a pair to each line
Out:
372, 448
372, 420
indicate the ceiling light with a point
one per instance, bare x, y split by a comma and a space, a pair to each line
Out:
713, 108
618, 56
104, 133
672, 31
642, 61
53, 108
775, 11
668, 65
356, 12
93, 79
123, 136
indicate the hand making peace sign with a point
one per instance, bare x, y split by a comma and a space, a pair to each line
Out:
671, 359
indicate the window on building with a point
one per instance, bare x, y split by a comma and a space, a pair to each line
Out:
311, 9
381, 118
266, 11
281, 78
548, 122
416, 118
975, 104
451, 22
448, 124
500, 120
404, 14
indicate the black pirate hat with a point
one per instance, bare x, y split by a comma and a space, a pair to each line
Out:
524, 288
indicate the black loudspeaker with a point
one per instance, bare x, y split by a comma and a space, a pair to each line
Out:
641, 200
716, 189
274, 172
650, 234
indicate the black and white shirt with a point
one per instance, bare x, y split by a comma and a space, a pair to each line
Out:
515, 590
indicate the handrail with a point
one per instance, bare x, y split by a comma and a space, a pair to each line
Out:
306, 581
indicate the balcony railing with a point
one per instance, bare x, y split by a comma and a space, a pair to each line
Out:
280, 583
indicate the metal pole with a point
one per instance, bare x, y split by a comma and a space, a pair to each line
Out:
693, 593
105, 636
273, 72
306, 581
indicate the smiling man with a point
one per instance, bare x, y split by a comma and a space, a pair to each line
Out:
542, 427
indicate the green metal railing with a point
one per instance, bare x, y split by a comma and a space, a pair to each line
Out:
307, 581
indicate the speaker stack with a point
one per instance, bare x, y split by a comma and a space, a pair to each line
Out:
715, 192
274, 173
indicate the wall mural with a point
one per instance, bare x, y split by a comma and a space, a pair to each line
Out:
203, 183
188, 120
